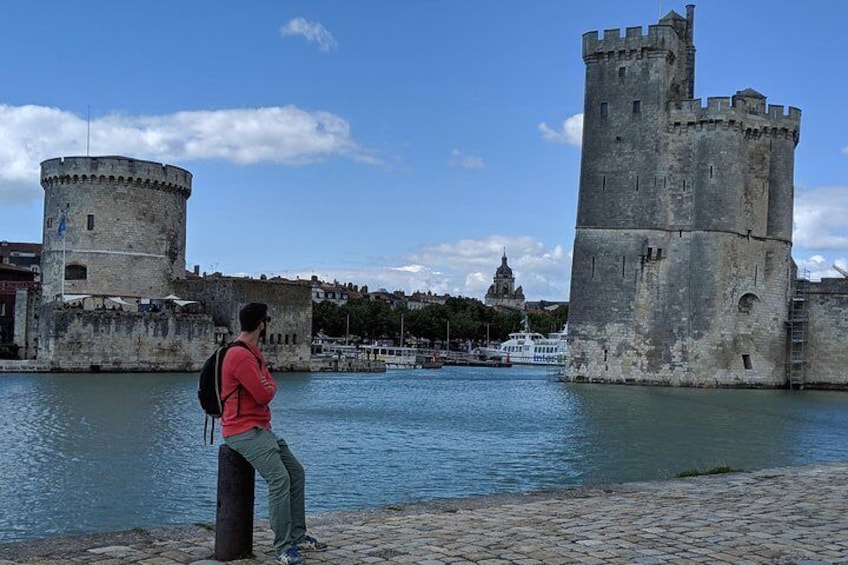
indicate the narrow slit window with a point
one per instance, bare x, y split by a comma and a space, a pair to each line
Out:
637, 183
604, 109
659, 253
650, 253
593, 267
746, 361
604, 183
294, 339
90, 222
637, 106
711, 171
287, 339
623, 264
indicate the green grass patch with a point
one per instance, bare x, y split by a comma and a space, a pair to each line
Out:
714, 471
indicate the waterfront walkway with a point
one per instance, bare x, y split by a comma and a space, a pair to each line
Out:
796, 515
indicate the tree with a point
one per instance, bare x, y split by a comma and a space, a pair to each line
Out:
328, 318
469, 320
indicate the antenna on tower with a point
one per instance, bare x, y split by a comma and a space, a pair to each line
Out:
88, 134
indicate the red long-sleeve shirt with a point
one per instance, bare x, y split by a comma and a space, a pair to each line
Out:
248, 386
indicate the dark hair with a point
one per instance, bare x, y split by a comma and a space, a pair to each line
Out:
253, 314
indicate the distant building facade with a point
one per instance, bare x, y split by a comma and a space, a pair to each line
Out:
503, 294
20, 265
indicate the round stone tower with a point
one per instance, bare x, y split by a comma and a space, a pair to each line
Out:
112, 226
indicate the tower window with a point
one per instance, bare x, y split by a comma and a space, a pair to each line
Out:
637, 106
76, 272
90, 224
622, 71
49, 223
604, 109
746, 361
593, 267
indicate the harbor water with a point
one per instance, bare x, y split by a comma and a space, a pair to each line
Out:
102, 452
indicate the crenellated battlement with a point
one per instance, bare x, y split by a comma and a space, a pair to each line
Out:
743, 112
660, 38
116, 169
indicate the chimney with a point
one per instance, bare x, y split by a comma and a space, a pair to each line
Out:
690, 51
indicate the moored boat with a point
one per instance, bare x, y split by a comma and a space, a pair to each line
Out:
532, 348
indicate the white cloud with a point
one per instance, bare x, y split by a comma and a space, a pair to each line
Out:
313, 32
282, 134
821, 218
571, 131
817, 267
459, 159
466, 268
820, 234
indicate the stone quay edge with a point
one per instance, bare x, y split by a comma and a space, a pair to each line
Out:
788, 515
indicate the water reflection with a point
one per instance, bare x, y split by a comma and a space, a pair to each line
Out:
83, 453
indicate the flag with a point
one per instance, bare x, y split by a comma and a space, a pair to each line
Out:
62, 226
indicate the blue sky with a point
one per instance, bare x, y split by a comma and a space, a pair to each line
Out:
398, 144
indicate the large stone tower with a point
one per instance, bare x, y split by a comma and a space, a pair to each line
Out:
124, 227
682, 267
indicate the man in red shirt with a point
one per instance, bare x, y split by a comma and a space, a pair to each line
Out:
248, 388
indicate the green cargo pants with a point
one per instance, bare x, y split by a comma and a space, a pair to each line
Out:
284, 474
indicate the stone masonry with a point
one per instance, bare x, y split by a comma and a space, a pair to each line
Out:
682, 269
787, 516
122, 216
115, 229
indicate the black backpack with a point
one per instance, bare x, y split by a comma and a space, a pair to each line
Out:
209, 387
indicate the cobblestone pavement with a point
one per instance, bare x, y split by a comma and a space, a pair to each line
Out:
796, 515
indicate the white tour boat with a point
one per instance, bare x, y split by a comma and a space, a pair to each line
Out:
532, 348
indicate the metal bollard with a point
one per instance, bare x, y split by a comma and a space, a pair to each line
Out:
234, 515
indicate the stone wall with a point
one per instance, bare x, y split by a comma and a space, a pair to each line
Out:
682, 267
287, 345
112, 340
827, 336
27, 304
125, 225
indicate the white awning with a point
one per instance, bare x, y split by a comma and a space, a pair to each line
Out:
171, 297
119, 300
72, 297
184, 302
